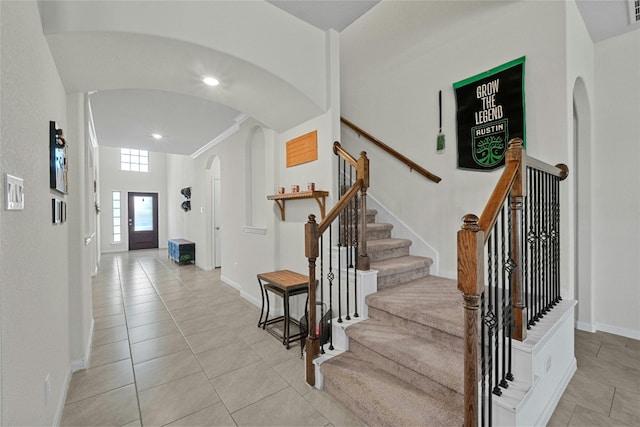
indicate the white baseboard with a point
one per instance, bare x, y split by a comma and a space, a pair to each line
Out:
617, 330
584, 326
231, 283
63, 397
253, 300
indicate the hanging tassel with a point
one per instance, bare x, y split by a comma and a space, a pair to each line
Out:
440, 139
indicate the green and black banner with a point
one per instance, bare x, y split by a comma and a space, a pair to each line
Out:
490, 112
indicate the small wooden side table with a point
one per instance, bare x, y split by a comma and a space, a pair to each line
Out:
284, 283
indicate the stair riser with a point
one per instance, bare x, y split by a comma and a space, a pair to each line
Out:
406, 374
357, 406
401, 277
388, 253
455, 343
377, 235
372, 234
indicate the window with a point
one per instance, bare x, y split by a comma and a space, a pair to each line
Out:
117, 234
134, 160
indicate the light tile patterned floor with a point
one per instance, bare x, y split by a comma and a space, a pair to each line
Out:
605, 390
175, 346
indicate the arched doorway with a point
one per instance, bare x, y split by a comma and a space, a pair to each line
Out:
583, 291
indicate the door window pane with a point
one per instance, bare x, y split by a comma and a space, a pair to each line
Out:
143, 213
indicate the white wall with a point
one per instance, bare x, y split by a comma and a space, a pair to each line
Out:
396, 58
81, 253
34, 253
113, 179
180, 174
580, 89
616, 185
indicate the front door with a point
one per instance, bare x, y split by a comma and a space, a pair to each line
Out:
143, 220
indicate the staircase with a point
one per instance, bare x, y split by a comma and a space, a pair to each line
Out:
404, 363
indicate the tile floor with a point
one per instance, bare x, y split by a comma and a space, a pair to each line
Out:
175, 346
605, 390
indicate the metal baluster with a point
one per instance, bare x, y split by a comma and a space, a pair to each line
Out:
341, 243
496, 313
356, 243
549, 257
527, 250
557, 245
349, 230
509, 375
483, 367
331, 276
538, 278
503, 309
545, 243
321, 293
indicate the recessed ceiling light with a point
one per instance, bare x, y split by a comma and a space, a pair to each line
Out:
210, 81
156, 136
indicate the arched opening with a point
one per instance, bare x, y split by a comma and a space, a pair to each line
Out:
255, 170
583, 291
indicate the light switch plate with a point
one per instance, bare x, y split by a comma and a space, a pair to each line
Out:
14, 191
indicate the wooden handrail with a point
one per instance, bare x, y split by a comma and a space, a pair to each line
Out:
404, 159
560, 170
341, 205
499, 195
339, 151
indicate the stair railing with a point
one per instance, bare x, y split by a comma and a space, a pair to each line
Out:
404, 159
513, 248
351, 240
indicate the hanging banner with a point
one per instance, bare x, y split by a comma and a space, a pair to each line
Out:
490, 112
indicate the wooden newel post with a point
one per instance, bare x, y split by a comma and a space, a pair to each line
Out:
516, 205
311, 251
471, 284
364, 263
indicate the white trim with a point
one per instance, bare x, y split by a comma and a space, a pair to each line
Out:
587, 327
617, 330
253, 300
231, 283
93, 138
224, 135
114, 250
87, 350
254, 230
57, 418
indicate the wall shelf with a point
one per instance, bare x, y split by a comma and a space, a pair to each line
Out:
319, 196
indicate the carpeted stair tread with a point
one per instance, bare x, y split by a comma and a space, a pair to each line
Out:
428, 358
432, 301
381, 399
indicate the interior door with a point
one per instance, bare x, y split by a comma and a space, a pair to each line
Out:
217, 243
143, 221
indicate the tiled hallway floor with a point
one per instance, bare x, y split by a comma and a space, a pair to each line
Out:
605, 390
174, 345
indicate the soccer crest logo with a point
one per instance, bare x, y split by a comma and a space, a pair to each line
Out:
489, 143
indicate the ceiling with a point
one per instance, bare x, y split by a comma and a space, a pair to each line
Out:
127, 117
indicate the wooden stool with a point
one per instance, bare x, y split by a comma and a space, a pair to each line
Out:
284, 283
